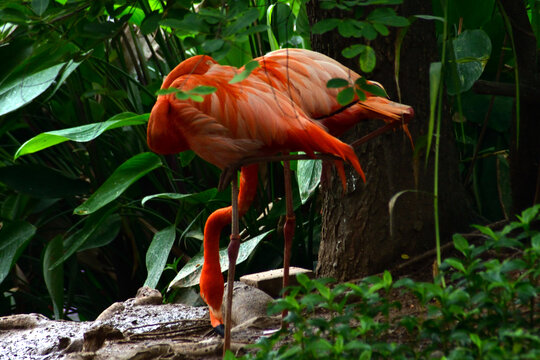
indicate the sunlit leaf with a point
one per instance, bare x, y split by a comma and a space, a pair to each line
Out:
191, 272
308, 174
125, 175
157, 254
80, 133
203, 90
195, 198
21, 91
248, 68
170, 90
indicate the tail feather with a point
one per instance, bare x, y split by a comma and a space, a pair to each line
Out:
318, 140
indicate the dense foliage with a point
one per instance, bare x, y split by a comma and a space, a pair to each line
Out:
489, 310
88, 215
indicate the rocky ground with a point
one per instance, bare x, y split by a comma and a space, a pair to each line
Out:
138, 328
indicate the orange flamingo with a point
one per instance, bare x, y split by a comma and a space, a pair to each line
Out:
271, 111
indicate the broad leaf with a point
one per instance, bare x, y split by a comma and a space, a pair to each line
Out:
196, 198
308, 174
80, 133
93, 224
157, 254
191, 272
21, 91
14, 237
125, 175
41, 182
472, 49
54, 278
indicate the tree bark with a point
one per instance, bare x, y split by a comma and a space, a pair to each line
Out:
524, 146
356, 239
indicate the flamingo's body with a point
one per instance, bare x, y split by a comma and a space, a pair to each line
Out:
271, 111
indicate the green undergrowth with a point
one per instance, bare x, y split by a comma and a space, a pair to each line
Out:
488, 309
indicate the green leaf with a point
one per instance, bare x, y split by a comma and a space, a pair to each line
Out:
125, 175
353, 50
54, 279
191, 272
435, 71
77, 240
472, 49
157, 254
325, 25
21, 91
381, 29
350, 28
246, 19
151, 22
170, 90
337, 83
308, 175
367, 59
39, 6
370, 88
196, 98
369, 32
42, 182
387, 16
345, 96
248, 68
103, 235
212, 45
80, 133
14, 237
195, 198
203, 90
456, 264
461, 244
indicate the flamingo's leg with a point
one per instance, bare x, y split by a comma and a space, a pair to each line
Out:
234, 245
288, 228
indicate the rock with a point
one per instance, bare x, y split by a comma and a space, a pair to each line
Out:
148, 296
271, 281
21, 321
95, 337
248, 302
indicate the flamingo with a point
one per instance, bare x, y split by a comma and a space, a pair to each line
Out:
274, 110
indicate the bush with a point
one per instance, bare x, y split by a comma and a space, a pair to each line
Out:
489, 310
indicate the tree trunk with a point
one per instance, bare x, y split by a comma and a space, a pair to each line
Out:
525, 153
356, 238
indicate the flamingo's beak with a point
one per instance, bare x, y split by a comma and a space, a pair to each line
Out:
220, 329
216, 319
